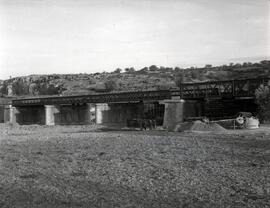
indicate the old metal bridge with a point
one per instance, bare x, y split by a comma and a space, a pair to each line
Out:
228, 88
95, 98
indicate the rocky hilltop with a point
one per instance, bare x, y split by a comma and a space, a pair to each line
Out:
147, 78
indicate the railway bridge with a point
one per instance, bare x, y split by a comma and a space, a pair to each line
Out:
213, 99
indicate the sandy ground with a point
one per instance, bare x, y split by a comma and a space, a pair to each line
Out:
83, 166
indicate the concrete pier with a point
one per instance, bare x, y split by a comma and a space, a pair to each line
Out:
88, 113
100, 109
50, 111
13, 114
174, 111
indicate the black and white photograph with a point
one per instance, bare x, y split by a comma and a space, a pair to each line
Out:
134, 104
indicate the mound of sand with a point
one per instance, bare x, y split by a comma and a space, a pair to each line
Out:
198, 126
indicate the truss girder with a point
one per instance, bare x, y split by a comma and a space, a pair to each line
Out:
234, 88
96, 98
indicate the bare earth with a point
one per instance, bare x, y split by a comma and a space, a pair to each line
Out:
82, 166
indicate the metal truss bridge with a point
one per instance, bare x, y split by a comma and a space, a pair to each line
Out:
228, 88
215, 89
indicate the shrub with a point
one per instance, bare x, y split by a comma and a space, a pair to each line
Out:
153, 68
118, 70
129, 70
262, 95
111, 85
20, 87
3, 89
164, 86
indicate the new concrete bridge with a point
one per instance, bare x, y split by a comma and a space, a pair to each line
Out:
197, 99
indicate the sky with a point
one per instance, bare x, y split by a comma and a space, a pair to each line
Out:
88, 36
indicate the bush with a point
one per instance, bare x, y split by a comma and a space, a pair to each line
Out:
111, 85
3, 89
163, 86
262, 95
118, 70
20, 87
129, 70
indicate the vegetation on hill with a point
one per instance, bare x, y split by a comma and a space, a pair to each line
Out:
147, 78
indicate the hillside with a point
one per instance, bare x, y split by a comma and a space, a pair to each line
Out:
148, 78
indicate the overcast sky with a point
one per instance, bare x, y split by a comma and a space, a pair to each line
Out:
85, 36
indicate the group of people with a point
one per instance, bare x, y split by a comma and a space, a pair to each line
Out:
147, 123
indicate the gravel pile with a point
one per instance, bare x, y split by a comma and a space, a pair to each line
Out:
198, 126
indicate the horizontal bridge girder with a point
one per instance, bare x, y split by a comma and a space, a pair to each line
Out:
96, 98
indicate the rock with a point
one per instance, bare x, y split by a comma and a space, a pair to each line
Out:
10, 90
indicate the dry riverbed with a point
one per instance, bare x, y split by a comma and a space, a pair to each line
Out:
83, 166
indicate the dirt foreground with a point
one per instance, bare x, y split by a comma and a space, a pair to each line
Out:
83, 166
